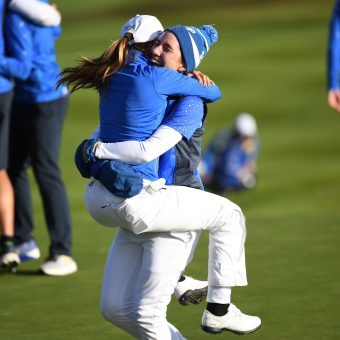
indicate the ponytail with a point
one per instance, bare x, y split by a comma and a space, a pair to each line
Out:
93, 73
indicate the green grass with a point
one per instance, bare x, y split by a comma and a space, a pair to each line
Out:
270, 61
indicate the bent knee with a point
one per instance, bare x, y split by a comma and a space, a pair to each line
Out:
111, 312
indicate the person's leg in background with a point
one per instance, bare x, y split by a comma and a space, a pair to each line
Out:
19, 161
45, 143
8, 257
36, 138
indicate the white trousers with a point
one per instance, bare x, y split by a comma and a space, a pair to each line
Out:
160, 208
140, 275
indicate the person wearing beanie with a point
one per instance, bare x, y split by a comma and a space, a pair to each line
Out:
164, 54
134, 32
155, 210
194, 42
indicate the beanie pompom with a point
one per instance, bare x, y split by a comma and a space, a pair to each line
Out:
211, 32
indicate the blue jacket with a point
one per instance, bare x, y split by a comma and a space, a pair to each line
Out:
31, 59
133, 103
238, 154
334, 49
5, 82
226, 156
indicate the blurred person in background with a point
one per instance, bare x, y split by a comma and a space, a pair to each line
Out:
229, 161
42, 14
37, 117
333, 61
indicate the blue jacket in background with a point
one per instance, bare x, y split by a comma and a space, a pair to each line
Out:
238, 154
133, 103
31, 60
224, 159
5, 82
334, 49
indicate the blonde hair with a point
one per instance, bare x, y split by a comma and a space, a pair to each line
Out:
93, 73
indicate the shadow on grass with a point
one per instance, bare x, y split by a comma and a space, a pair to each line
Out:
30, 272
27, 272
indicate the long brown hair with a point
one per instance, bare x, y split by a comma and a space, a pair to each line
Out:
93, 73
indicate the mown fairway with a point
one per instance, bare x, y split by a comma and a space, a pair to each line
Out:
270, 61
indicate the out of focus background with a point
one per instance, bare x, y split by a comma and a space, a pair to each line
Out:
270, 61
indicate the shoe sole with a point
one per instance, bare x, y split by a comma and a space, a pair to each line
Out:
58, 273
214, 331
10, 266
195, 296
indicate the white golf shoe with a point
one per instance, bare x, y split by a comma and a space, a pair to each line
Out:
10, 261
28, 251
191, 291
59, 265
234, 321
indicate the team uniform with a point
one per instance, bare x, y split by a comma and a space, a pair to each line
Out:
45, 15
37, 118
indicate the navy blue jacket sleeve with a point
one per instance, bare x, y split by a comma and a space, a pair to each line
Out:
172, 83
20, 48
334, 49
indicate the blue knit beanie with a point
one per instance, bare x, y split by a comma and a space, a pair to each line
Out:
194, 42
